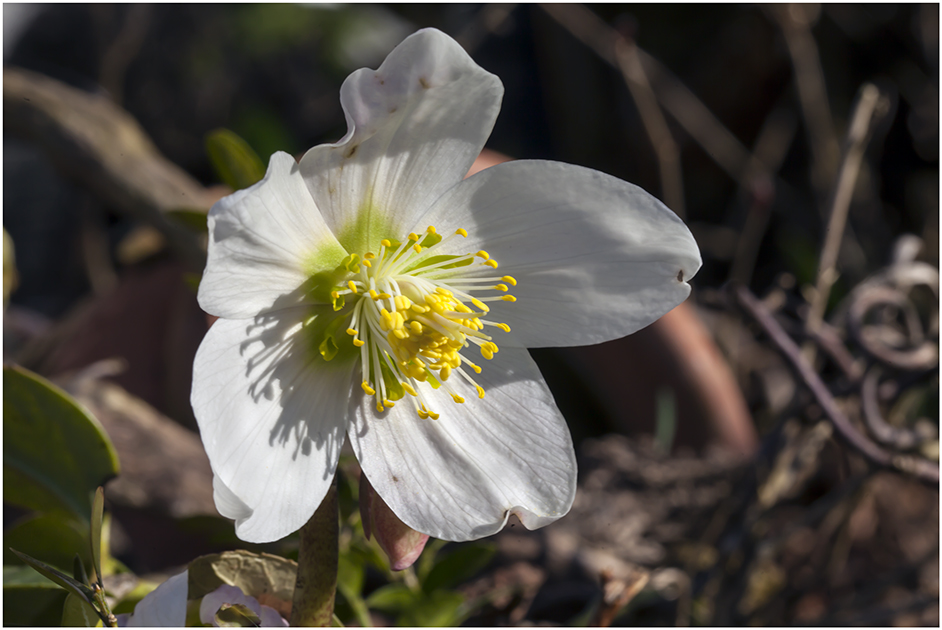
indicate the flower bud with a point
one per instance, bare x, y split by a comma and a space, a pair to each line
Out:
401, 543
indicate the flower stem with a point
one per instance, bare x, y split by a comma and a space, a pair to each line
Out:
316, 586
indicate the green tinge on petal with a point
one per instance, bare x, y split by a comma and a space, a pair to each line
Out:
325, 337
370, 226
431, 239
326, 256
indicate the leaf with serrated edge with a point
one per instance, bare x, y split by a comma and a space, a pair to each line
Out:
254, 573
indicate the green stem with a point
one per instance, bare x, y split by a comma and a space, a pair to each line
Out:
316, 586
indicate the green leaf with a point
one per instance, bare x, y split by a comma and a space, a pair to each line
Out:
29, 599
254, 573
234, 160
57, 576
441, 608
98, 511
458, 566
53, 537
391, 598
78, 613
190, 218
54, 452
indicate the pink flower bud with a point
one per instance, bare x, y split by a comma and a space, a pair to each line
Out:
401, 543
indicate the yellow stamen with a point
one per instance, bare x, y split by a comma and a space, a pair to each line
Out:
510, 280
352, 285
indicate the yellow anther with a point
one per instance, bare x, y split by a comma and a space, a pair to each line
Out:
369, 255
490, 263
480, 305
389, 403
458, 399
366, 262
416, 327
358, 342
431, 229
386, 242
480, 391
414, 237
417, 248
510, 280
384, 296
503, 327
445, 372
486, 352
374, 294
501, 287
352, 285
409, 389
352, 332
508, 298
443, 291
433, 415
379, 406
462, 232
422, 414
366, 387
334, 294
483, 254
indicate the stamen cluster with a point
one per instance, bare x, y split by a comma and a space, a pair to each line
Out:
412, 319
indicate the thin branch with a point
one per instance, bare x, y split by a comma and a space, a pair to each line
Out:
796, 20
857, 137
689, 111
659, 135
923, 469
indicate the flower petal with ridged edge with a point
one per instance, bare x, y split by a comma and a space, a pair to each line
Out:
264, 242
272, 417
461, 476
415, 126
595, 258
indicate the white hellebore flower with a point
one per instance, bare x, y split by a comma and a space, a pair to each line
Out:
366, 291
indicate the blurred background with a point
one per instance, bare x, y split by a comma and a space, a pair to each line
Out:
714, 488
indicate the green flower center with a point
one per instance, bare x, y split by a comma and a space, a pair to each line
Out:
414, 315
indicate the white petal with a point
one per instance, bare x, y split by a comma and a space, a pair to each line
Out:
461, 476
264, 242
272, 419
164, 606
415, 126
596, 258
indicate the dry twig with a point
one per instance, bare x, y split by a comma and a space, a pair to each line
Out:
923, 469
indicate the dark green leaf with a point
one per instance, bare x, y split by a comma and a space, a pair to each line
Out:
57, 576
78, 613
53, 537
458, 566
29, 599
54, 452
78, 570
98, 511
234, 160
191, 218
441, 608
391, 598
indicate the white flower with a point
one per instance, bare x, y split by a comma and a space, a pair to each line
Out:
166, 606
360, 294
